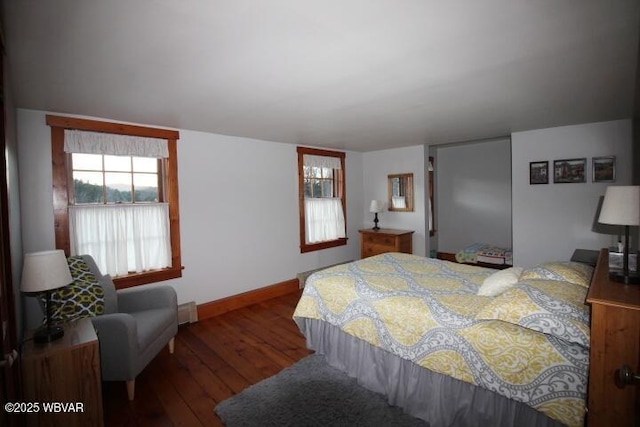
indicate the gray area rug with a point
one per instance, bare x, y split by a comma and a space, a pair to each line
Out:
311, 393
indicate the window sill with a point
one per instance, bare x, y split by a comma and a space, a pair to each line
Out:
310, 247
136, 279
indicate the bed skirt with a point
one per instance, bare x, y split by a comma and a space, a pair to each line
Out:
438, 399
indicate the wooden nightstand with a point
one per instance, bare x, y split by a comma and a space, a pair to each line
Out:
374, 242
615, 343
65, 371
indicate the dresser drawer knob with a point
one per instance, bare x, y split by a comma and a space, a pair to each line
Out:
627, 377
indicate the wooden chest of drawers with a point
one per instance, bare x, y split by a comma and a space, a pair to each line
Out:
615, 343
374, 242
67, 371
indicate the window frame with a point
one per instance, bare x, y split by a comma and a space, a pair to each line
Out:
61, 189
340, 189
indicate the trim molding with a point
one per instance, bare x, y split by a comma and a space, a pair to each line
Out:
221, 306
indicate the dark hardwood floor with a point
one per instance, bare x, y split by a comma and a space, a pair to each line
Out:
213, 360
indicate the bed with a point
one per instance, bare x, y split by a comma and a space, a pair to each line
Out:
482, 253
416, 330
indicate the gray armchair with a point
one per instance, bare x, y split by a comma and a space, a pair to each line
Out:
136, 325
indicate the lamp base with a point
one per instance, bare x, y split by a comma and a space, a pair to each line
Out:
631, 278
48, 334
375, 223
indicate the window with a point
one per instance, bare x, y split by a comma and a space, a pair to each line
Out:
99, 178
322, 199
116, 197
319, 182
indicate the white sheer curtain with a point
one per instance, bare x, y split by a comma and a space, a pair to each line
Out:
324, 219
122, 238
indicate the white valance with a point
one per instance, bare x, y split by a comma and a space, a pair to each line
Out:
330, 162
77, 141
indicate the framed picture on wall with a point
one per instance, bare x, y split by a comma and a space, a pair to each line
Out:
569, 170
604, 169
539, 172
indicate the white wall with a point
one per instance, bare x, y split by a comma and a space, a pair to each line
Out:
473, 197
379, 164
238, 209
550, 221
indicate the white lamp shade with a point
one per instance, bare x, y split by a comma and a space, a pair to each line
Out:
621, 205
376, 206
43, 271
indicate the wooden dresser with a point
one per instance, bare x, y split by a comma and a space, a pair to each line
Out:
65, 371
615, 342
374, 242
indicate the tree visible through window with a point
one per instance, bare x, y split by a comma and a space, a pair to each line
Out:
318, 182
101, 178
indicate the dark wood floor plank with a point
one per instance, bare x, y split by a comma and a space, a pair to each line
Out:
283, 320
175, 406
262, 341
189, 388
240, 348
114, 397
275, 337
215, 387
213, 360
229, 348
254, 349
196, 338
146, 408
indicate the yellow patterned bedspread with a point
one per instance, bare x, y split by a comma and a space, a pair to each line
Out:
427, 311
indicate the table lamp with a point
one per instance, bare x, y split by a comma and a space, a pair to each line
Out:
44, 272
375, 207
621, 206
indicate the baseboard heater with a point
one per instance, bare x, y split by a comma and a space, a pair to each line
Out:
187, 313
302, 277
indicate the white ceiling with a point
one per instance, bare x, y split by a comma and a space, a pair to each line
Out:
352, 74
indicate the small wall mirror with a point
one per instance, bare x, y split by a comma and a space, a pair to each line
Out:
401, 192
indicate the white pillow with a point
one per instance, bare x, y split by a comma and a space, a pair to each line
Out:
500, 281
